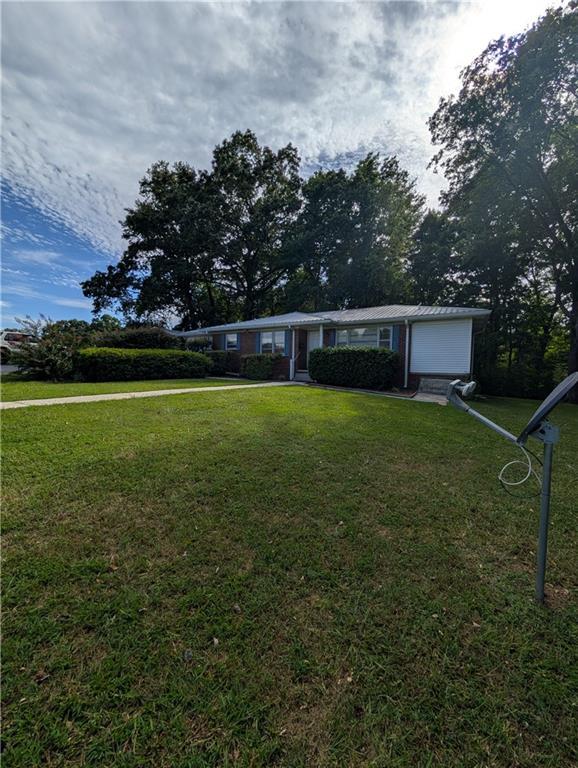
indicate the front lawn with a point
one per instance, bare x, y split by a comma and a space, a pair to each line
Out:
14, 387
282, 577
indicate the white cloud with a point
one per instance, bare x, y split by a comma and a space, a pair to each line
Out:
37, 257
26, 291
93, 93
74, 303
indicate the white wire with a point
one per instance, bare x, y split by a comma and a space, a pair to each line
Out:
530, 470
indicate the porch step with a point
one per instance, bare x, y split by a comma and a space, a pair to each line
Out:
302, 376
431, 386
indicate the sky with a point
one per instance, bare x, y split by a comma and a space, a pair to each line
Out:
94, 93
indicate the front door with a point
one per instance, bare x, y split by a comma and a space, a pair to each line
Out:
301, 350
313, 342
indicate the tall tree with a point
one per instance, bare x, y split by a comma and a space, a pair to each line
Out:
169, 263
433, 263
508, 149
383, 210
259, 199
206, 247
318, 239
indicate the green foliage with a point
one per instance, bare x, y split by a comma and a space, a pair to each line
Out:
193, 249
51, 355
144, 337
224, 361
106, 323
353, 236
259, 366
365, 367
508, 150
108, 364
434, 261
198, 343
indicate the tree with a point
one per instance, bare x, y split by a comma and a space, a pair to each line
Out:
206, 246
169, 264
318, 239
433, 261
508, 150
354, 236
384, 211
259, 199
51, 354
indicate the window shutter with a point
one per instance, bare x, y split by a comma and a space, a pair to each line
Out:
238, 341
287, 343
395, 338
258, 342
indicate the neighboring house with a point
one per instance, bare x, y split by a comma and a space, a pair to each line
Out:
431, 341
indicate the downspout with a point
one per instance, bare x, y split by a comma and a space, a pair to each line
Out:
406, 361
292, 358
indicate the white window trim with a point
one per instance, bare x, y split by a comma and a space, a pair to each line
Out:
236, 347
273, 334
377, 344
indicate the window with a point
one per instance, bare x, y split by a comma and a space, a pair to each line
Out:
273, 342
364, 337
341, 338
231, 341
385, 337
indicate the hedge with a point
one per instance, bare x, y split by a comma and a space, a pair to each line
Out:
365, 367
258, 366
109, 364
147, 337
224, 361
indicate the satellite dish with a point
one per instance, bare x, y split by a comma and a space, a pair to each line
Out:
539, 428
556, 396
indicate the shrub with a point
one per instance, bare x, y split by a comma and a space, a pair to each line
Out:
197, 343
366, 367
52, 353
138, 338
259, 366
224, 362
108, 364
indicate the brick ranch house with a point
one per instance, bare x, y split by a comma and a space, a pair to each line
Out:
434, 342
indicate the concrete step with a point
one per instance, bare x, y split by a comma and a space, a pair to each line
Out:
432, 386
302, 376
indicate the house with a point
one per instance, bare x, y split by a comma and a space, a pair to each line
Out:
433, 342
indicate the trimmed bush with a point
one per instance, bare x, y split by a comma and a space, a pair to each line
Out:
109, 364
138, 338
224, 362
365, 367
259, 366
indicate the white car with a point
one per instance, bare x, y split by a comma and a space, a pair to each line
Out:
10, 341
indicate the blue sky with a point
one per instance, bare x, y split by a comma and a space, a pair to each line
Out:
94, 93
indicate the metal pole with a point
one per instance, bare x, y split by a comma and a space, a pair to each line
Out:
544, 516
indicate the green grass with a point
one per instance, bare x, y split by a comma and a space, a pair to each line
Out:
287, 577
14, 387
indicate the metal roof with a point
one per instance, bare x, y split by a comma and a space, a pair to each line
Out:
389, 313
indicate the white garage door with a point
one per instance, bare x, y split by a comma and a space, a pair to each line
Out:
443, 346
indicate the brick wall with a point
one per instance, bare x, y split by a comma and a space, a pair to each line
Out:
248, 342
281, 368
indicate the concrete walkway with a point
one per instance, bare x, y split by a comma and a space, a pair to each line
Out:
134, 395
423, 398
